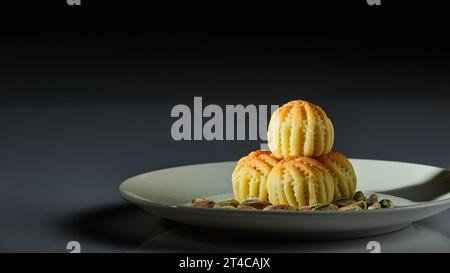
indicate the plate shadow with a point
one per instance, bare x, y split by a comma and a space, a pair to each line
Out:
123, 224
427, 190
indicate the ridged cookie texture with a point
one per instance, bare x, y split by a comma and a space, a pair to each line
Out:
300, 128
250, 175
343, 174
300, 181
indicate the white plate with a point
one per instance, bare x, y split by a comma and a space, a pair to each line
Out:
418, 191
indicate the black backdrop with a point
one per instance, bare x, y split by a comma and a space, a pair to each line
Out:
213, 17
165, 50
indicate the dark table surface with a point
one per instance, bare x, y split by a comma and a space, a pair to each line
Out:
61, 164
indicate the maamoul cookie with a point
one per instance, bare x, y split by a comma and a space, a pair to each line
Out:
343, 174
250, 175
300, 128
300, 181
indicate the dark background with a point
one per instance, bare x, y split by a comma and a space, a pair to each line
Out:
165, 50
86, 93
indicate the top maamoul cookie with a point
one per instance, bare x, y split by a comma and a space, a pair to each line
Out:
300, 128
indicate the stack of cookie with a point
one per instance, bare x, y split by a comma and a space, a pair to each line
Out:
300, 169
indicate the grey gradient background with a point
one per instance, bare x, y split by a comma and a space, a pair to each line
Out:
85, 103
61, 165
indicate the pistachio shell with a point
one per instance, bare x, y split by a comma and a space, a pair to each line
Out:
257, 204
362, 204
199, 199
280, 207
224, 207
342, 202
331, 207
356, 206
241, 207
203, 202
359, 196
375, 206
372, 200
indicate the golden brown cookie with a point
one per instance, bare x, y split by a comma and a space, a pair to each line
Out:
300, 128
343, 174
250, 175
300, 181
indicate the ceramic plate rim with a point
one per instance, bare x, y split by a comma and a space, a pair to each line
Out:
133, 198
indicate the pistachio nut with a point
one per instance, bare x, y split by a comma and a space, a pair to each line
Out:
385, 203
231, 202
319, 206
